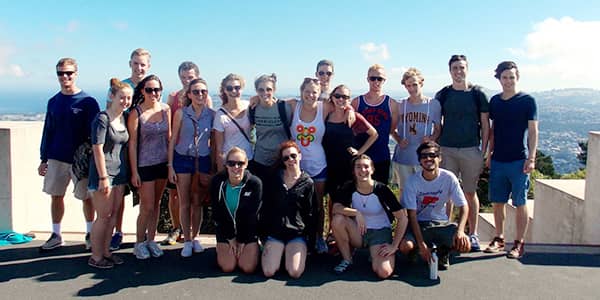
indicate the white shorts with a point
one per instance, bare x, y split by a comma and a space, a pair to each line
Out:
402, 172
57, 179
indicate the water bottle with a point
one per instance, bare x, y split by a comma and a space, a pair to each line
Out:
433, 264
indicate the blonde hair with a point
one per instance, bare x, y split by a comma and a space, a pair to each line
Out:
227, 78
117, 85
412, 72
375, 67
266, 78
140, 52
307, 81
67, 61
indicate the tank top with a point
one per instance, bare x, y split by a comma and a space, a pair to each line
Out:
309, 137
176, 105
380, 116
153, 142
194, 132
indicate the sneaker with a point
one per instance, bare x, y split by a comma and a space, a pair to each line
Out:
517, 250
141, 251
443, 262
154, 249
197, 246
115, 241
475, 247
88, 242
179, 236
342, 267
495, 246
103, 263
321, 246
187, 250
171, 238
53, 242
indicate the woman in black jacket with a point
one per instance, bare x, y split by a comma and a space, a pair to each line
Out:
288, 214
236, 197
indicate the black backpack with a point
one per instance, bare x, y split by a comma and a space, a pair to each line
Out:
282, 116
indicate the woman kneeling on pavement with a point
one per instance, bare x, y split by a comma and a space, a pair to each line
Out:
236, 197
288, 214
363, 213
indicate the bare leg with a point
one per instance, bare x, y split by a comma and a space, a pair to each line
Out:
57, 209
159, 188
249, 258
383, 266
522, 222
346, 235
499, 216
472, 219
183, 188
225, 258
295, 259
174, 209
271, 258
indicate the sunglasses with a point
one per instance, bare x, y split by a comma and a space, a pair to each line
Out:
321, 73
261, 90
428, 155
230, 88
234, 163
149, 90
376, 78
198, 92
341, 96
63, 73
313, 80
293, 156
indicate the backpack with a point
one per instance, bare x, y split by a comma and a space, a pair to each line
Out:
442, 96
282, 117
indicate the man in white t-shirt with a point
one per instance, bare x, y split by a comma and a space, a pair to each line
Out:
425, 196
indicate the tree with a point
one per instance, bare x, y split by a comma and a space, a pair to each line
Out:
545, 165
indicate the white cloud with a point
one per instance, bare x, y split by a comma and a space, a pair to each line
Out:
374, 53
120, 25
561, 53
7, 68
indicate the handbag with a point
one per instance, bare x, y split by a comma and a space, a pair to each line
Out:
81, 161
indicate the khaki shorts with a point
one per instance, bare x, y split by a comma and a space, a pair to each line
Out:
465, 163
57, 179
401, 173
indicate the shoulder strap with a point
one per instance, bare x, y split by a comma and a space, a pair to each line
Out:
442, 95
476, 97
284, 120
236, 124
252, 115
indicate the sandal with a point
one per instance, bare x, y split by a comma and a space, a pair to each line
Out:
101, 264
115, 259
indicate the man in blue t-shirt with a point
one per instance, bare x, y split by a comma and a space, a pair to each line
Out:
67, 125
427, 196
465, 123
513, 145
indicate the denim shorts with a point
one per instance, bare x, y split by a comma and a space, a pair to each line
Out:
297, 239
321, 177
185, 164
374, 237
506, 179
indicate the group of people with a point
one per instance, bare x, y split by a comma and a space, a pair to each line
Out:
285, 177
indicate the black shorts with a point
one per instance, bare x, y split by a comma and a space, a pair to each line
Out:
153, 172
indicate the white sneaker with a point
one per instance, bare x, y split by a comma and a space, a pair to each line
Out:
197, 246
187, 249
154, 249
141, 251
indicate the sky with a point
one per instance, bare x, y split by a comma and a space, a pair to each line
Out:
555, 43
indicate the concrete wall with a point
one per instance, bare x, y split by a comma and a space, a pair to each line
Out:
23, 205
591, 230
558, 216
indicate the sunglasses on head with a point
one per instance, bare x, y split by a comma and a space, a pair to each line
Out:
321, 73
230, 88
293, 156
234, 163
63, 73
261, 90
198, 92
313, 80
376, 78
150, 90
341, 96
428, 155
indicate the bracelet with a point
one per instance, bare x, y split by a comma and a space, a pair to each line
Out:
169, 165
103, 178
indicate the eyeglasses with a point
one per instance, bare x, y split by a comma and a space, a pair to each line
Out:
428, 155
234, 163
321, 73
230, 88
261, 90
63, 73
376, 78
293, 156
149, 90
341, 96
198, 92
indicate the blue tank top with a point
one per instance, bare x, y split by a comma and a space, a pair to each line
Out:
194, 132
380, 116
